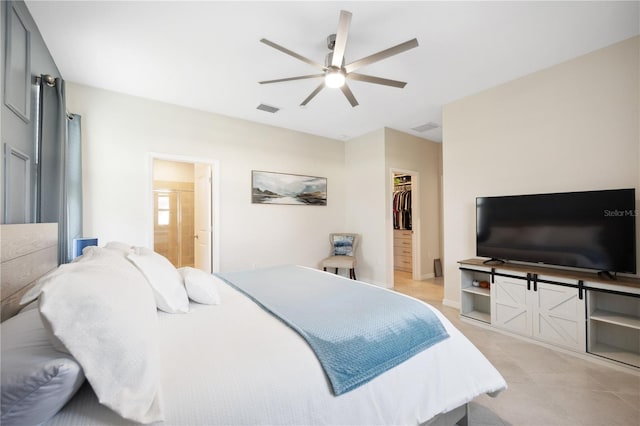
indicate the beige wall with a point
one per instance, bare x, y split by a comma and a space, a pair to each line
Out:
120, 132
407, 152
369, 160
366, 203
571, 127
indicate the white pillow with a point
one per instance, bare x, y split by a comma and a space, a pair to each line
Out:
124, 248
103, 312
88, 253
37, 380
201, 286
165, 280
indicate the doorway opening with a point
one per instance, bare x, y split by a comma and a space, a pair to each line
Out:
406, 225
173, 228
183, 216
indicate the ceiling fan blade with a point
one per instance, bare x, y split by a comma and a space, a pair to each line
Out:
302, 77
291, 53
313, 94
376, 80
347, 92
402, 47
341, 38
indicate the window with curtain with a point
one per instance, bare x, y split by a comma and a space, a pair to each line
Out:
59, 166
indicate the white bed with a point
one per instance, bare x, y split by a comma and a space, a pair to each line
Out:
235, 364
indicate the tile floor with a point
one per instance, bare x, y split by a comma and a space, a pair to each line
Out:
546, 387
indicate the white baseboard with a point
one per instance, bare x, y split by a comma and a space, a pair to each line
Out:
427, 276
451, 303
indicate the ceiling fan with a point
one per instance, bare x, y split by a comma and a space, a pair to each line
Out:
334, 71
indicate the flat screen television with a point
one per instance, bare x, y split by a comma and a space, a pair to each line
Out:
589, 229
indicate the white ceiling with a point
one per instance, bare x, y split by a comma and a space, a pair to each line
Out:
207, 55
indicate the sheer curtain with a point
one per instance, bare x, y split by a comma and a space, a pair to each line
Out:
73, 183
59, 190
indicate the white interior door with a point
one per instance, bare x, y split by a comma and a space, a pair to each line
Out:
202, 217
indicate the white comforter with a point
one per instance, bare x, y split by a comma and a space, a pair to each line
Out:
235, 364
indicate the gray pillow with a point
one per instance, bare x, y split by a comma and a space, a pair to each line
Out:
37, 380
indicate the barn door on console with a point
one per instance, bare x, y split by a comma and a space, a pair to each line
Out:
511, 304
559, 316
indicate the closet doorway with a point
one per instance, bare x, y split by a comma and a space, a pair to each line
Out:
182, 211
406, 224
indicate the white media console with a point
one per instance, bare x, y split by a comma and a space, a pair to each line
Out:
578, 311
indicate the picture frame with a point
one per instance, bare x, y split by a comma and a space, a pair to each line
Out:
287, 189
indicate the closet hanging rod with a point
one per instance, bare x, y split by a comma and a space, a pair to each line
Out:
402, 186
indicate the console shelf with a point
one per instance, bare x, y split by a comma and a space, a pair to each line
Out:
480, 316
478, 290
616, 354
575, 310
616, 318
614, 327
476, 301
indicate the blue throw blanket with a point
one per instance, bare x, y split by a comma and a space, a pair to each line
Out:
357, 331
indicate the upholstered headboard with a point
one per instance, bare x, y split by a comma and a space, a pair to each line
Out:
27, 252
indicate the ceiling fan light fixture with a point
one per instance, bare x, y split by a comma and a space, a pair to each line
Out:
334, 70
334, 78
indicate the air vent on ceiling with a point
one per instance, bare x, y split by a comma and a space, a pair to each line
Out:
268, 108
424, 127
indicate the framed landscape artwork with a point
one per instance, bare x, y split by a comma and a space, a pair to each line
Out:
283, 188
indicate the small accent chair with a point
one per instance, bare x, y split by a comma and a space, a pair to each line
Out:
343, 253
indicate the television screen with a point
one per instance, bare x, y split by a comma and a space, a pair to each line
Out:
590, 229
